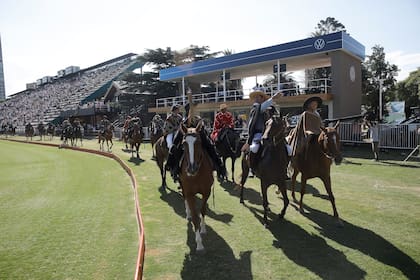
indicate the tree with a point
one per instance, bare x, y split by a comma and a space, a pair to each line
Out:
409, 91
373, 69
327, 26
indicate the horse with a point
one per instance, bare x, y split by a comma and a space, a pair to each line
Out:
196, 177
78, 134
316, 161
29, 131
271, 167
41, 130
135, 138
229, 146
156, 133
106, 136
51, 131
67, 135
161, 152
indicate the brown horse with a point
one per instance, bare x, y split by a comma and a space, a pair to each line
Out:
51, 131
271, 167
316, 162
41, 130
136, 139
196, 177
156, 132
106, 136
161, 152
29, 131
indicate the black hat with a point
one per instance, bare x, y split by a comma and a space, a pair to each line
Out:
174, 107
310, 99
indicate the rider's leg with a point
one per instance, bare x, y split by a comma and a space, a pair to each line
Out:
174, 157
254, 149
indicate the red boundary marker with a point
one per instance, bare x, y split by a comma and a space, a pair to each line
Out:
141, 250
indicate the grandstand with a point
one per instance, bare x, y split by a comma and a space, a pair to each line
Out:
62, 93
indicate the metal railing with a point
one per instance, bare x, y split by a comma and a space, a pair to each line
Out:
287, 89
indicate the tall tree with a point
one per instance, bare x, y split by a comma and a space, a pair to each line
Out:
327, 26
373, 69
409, 91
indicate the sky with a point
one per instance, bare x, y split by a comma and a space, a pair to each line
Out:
40, 37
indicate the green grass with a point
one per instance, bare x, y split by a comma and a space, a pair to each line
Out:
378, 202
64, 215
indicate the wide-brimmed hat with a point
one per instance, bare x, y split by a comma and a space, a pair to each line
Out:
174, 107
258, 93
310, 99
223, 106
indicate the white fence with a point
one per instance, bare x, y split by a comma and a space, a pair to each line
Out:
403, 136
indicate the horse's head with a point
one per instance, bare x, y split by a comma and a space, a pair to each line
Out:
329, 140
193, 150
274, 130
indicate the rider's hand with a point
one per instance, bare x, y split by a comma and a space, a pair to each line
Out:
245, 147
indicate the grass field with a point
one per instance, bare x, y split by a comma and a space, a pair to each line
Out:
378, 202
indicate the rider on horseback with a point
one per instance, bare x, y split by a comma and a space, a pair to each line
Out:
262, 102
104, 124
223, 119
175, 151
132, 122
157, 121
309, 126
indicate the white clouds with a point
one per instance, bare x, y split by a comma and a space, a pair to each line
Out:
406, 62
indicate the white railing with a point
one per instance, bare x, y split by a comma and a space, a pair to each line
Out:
287, 89
403, 136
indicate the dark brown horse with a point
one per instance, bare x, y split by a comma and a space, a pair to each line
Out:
51, 131
106, 136
156, 132
196, 177
136, 139
271, 167
29, 131
41, 131
161, 152
229, 146
316, 162
78, 134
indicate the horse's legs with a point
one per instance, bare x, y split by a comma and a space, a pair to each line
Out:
293, 183
302, 192
203, 229
137, 149
112, 144
285, 200
327, 184
190, 203
233, 159
244, 176
264, 188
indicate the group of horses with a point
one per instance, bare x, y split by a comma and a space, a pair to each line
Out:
196, 173
42, 131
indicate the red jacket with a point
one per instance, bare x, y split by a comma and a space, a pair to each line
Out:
222, 120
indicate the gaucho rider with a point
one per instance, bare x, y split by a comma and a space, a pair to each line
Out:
175, 150
261, 102
104, 124
223, 119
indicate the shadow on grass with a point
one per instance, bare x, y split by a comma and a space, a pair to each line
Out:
218, 262
365, 241
308, 250
136, 161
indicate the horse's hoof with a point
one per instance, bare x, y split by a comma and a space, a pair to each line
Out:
340, 223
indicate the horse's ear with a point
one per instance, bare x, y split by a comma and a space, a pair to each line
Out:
324, 129
199, 126
336, 125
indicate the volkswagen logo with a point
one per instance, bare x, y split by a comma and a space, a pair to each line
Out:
319, 44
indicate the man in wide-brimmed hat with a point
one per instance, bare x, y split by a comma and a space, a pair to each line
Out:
309, 126
171, 125
261, 101
223, 119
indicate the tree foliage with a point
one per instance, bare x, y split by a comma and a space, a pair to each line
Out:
327, 26
409, 91
375, 68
